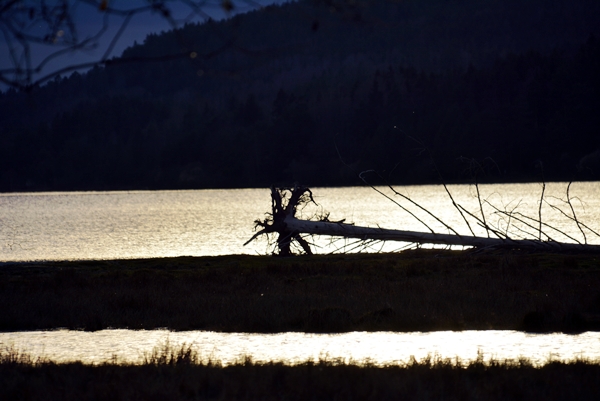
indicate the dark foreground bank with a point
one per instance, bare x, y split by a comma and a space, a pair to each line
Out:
412, 291
177, 374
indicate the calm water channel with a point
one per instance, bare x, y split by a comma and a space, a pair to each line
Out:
379, 348
111, 225
146, 224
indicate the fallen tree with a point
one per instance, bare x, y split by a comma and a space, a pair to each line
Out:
283, 221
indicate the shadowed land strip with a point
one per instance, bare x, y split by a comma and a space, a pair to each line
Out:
412, 291
176, 374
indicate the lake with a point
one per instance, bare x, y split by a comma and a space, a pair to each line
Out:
379, 348
152, 224
149, 224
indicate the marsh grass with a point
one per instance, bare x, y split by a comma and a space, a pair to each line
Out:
11, 356
166, 354
423, 290
412, 291
177, 373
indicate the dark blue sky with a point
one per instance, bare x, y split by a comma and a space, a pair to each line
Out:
152, 22
89, 21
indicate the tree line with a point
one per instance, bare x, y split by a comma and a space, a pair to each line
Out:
332, 97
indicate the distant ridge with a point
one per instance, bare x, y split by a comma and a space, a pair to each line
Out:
317, 91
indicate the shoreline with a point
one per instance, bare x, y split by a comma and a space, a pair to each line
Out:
177, 374
422, 290
433, 182
450, 290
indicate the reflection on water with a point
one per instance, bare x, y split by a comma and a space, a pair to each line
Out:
378, 348
145, 224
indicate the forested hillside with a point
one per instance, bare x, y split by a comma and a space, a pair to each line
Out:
318, 91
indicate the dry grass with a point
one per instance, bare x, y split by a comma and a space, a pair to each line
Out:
425, 290
178, 374
422, 290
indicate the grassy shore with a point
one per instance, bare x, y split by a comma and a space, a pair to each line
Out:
421, 290
411, 291
178, 374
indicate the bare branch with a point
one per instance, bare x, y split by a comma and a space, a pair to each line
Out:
54, 26
484, 224
426, 149
361, 176
540, 210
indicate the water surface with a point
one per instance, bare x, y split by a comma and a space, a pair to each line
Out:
146, 224
379, 348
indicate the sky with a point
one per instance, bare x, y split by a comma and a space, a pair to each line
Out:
88, 21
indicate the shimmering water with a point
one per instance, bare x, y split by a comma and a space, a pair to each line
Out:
112, 225
379, 348
143, 224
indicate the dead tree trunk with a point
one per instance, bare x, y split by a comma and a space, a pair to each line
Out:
298, 226
282, 220
281, 209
